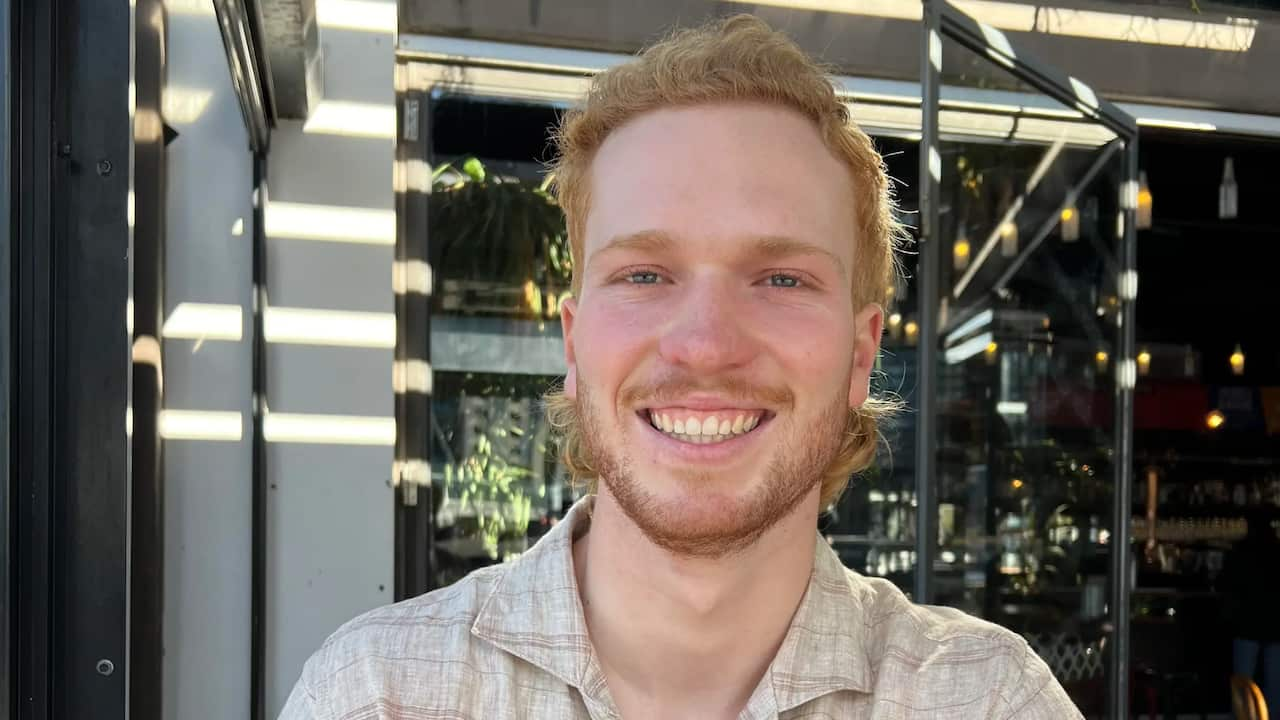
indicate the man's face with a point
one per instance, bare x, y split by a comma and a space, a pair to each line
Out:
714, 352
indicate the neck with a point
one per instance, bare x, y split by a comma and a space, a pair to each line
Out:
689, 637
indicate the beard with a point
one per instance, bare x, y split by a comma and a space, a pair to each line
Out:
702, 520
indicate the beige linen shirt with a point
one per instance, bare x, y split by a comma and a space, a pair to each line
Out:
510, 641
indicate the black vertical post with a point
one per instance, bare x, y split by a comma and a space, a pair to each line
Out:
71, 357
32, 223
927, 289
7, 504
414, 496
258, 572
146, 581
1122, 493
91, 358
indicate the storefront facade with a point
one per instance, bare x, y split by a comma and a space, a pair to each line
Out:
276, 484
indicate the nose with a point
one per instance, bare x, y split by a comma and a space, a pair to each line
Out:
707, 329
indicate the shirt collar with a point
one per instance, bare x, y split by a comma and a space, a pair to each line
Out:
824, 650
535, 613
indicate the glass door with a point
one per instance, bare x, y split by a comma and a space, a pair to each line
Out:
1028, 246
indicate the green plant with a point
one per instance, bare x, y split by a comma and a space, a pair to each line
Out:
505, 231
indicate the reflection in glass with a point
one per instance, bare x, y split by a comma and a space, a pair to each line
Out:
1026, 403
500, 256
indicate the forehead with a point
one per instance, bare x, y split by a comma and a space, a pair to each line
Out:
721, 171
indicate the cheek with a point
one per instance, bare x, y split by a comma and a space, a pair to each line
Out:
815, 348
606, 341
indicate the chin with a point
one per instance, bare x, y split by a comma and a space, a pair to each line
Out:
702, 514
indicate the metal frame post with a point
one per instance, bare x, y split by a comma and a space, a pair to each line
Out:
1122, 492
71, 362
258, 519
6, 369
927, 292
147, 497
415, 499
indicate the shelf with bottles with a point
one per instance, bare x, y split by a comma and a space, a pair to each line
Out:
1189, 530
1214, 491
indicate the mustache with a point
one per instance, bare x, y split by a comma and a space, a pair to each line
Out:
671, 388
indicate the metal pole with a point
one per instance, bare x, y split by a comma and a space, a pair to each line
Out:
258, 586
147, 501
415, 504
1122, 493
927, 289
7, 514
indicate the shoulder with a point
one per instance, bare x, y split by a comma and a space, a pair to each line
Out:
432, 618
373, 660
946, 656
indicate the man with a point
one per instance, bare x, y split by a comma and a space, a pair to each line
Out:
732, 233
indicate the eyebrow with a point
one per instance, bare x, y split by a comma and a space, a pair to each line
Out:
768, 246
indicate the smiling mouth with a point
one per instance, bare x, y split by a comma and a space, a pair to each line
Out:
704, 428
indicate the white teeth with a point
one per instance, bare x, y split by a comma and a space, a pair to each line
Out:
701, 432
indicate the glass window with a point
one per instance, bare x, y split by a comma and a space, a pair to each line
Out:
1029, 220
500, 254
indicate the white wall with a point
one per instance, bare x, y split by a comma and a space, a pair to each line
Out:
330, 514
330, 518
208, 491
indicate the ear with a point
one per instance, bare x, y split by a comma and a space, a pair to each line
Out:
568, 310
868, 324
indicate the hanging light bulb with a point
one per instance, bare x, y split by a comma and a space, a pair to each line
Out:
1008, 239
1237, 361
1228, 192
1143, 215
912, 330
1144, 362
1100, 359
1070, 223
895, 326
1215, 419
960, 253
992, 350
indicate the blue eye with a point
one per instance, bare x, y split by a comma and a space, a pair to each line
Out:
784, 281
642, 277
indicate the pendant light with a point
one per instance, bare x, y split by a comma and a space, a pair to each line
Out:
1008, 239
1228, 192
912, 331
1144, 363
1143, 214
1237, 361
1070, 223
960, 252
895, 326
